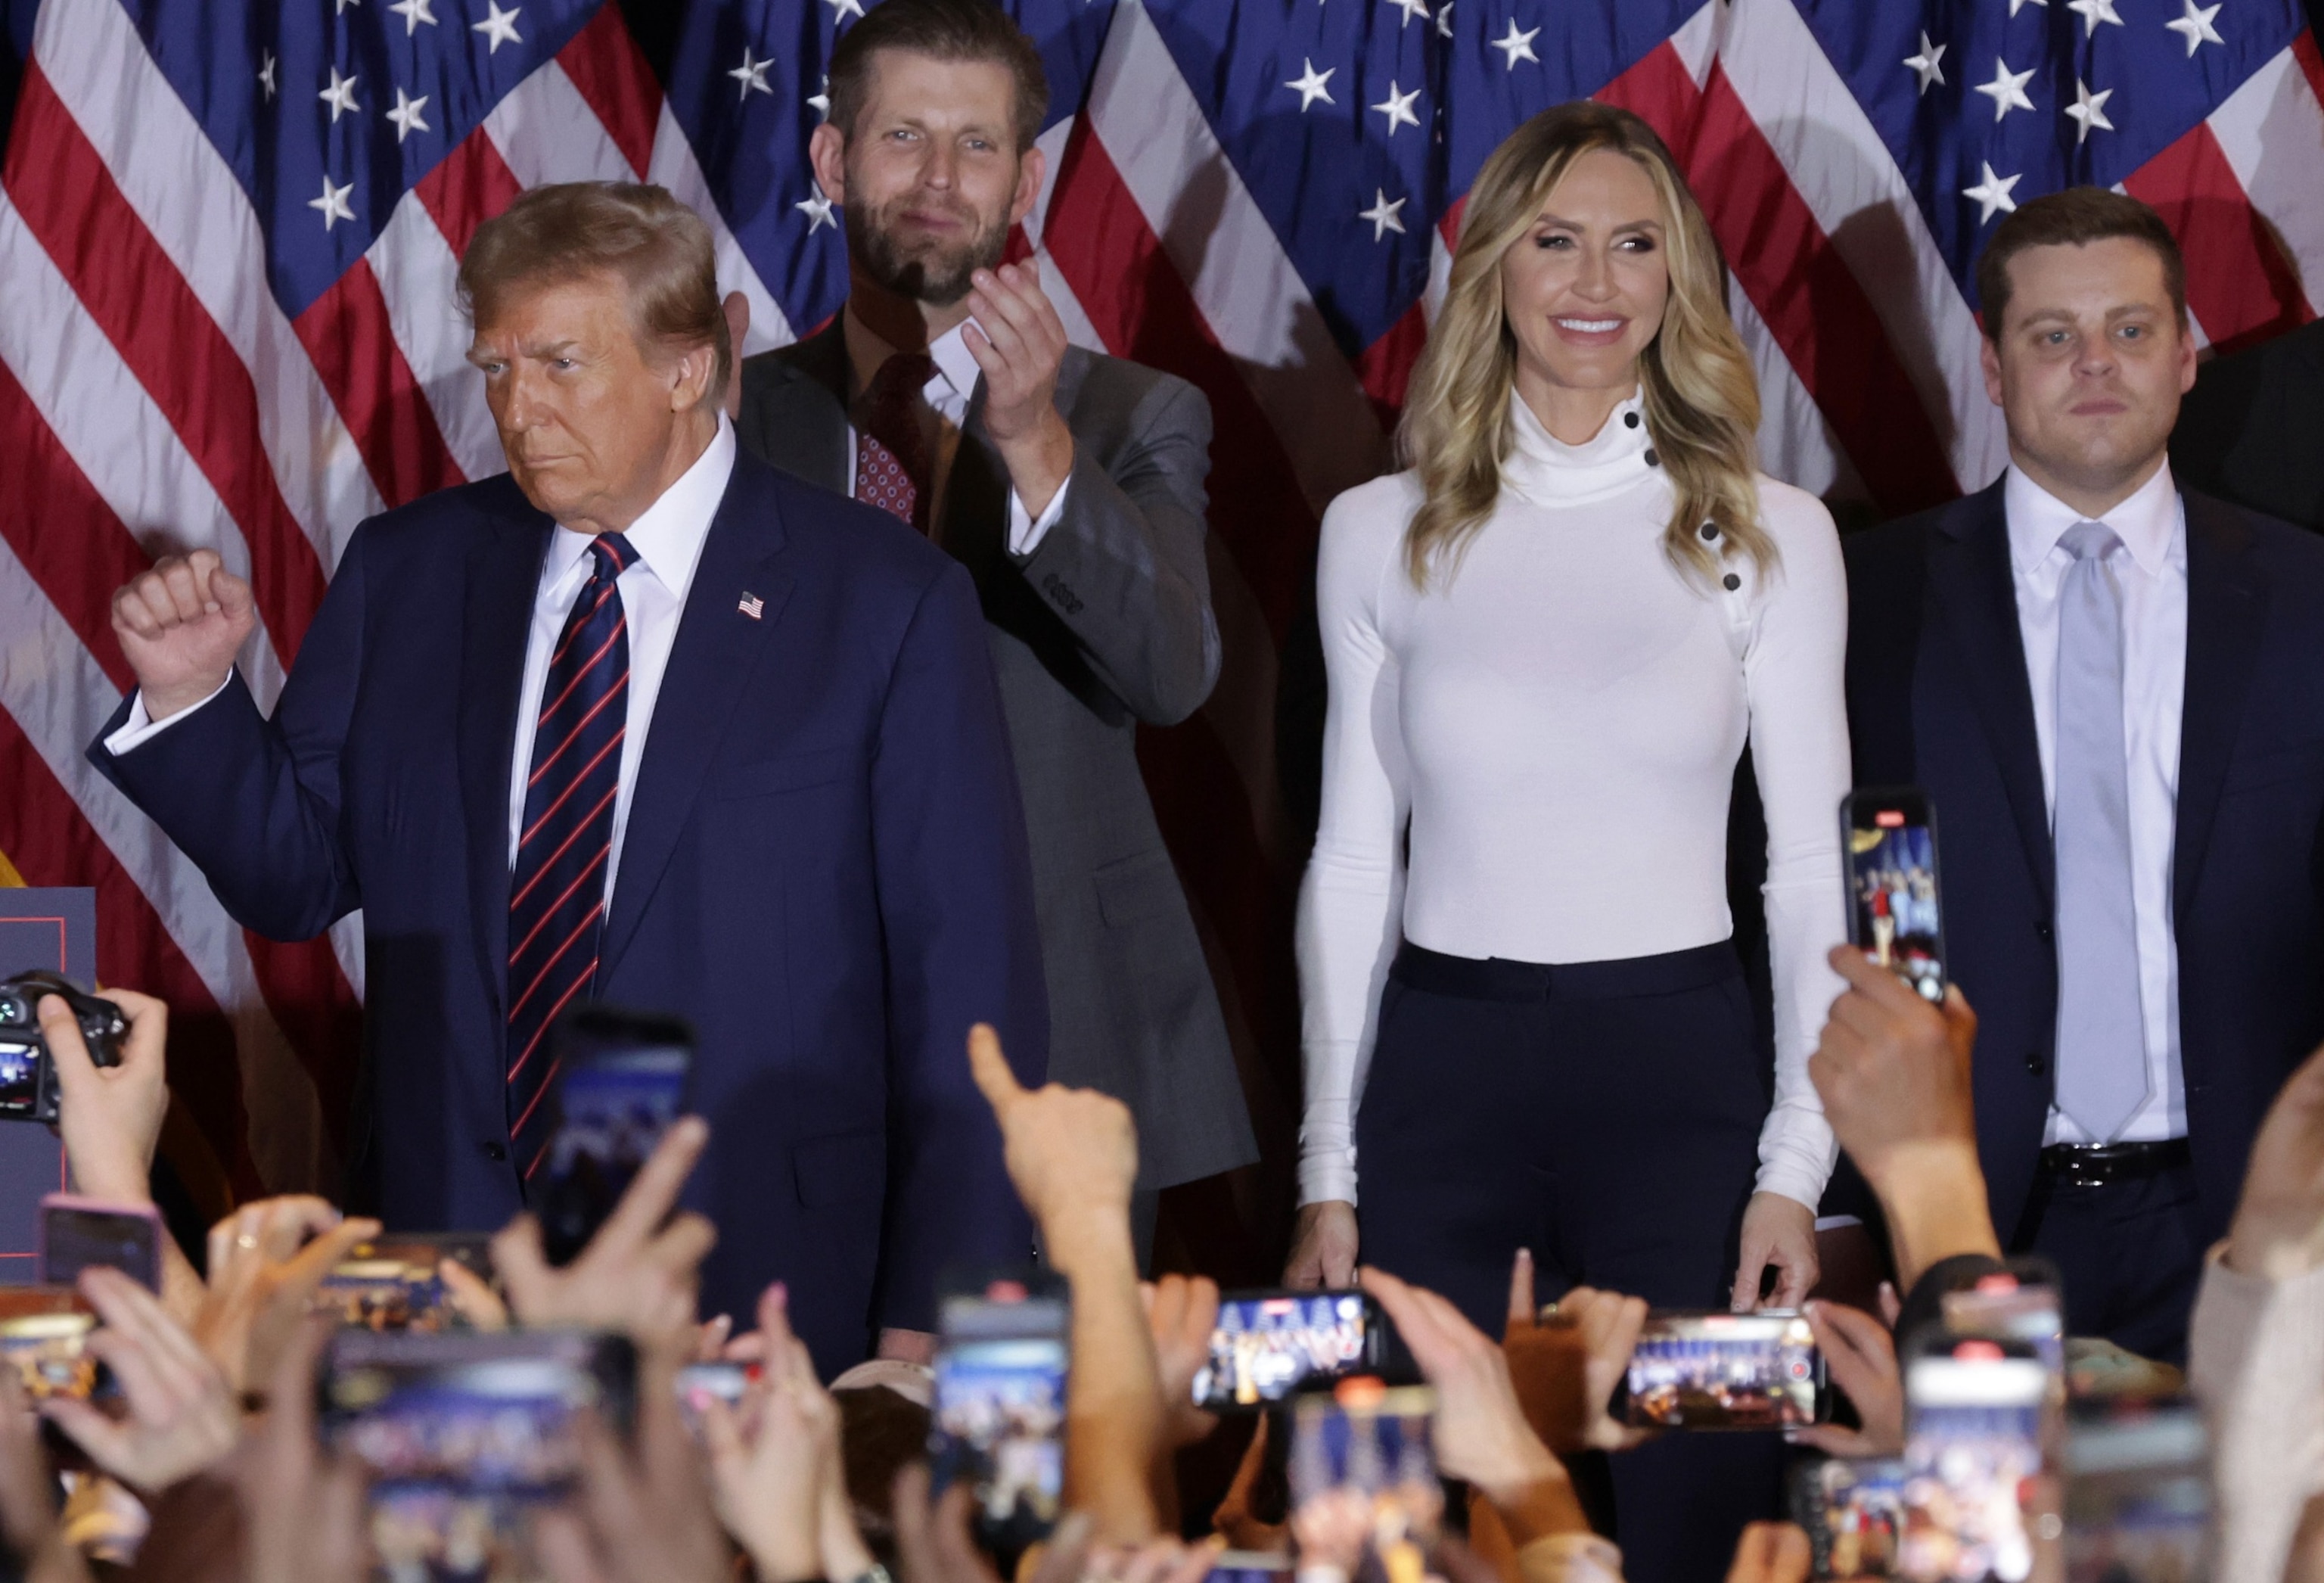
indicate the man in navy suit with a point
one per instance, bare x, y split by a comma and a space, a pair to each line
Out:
2108, 688
643, 722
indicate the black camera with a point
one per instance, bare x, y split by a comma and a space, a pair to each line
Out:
28, 1077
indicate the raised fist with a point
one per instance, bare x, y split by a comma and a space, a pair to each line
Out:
180, 627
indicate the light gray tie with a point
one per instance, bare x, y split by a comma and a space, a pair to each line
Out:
2101, 1027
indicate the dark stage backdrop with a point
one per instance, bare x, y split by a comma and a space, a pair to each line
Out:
227, 232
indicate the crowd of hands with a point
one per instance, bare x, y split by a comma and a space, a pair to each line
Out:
215, 1431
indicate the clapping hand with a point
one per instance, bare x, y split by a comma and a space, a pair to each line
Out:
1020, 343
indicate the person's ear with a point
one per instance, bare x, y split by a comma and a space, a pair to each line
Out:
826, 151
690, 377
1030, 170
1989, 359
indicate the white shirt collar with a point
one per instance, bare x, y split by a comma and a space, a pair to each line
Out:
2147, 521
668, 534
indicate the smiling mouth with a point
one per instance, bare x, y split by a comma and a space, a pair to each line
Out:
1590, 327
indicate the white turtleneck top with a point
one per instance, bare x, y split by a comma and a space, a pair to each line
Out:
1559, 719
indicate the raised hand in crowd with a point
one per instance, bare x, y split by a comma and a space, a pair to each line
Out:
30, 1533
302, 1506
778, 1475
183, 1416
266, 1260
639, 1274
110, 1117
180, 627
1771, 1552
1566, 1359
1481, 1433
644, 1511
1324, 1246
1893, 1075
1073, 1155
1860, 1353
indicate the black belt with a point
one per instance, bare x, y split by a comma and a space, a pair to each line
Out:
2088, 1165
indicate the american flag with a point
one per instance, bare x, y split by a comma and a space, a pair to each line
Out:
229, 228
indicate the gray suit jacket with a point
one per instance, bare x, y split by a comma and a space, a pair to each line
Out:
1106, 624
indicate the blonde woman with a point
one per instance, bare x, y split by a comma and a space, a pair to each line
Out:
1549, 641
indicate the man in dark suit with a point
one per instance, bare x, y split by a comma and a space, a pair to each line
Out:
1071, 487
643, 722
2108, 688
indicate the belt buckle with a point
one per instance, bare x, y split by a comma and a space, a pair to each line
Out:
2085, 1167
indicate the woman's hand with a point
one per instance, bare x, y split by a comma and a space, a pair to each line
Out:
1777, 1232
1322, 1245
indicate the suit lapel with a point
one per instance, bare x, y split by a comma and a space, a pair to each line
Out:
1976, 600
2226, 604
802, 417
504, 581
710, 665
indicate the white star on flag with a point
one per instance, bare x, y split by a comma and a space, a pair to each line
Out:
817, 209
406, 115
266, 73
333, 204
414, 12
2017, 5
341, 8
2089, 110
1411, 8
1311, 85
841, 10
1517, 46
2007, 89
751, 74
340, 96
1927, 65
500, 26
2197, 27
2092, 13
1992, 194
1397, 108
1444, 20
1382, 215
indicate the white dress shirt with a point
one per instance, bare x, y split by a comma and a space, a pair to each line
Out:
667, 538
946, 395
2152, 573
1557, 722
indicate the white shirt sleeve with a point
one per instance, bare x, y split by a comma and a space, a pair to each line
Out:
1351, 900
1793, 668
142, 727
1027, 531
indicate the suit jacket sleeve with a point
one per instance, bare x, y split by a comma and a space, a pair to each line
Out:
1124, 569
956, 910
256, 802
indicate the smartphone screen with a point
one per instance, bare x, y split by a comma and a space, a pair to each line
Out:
999, 1421
2138, 1496
1972, 1446
1888, 837
22, 1061
2019, 1304
1724, 1370
393, 1283
472, 1413
1853, 1509
77, 1233
1365, 1499
1268, 1344
621, 1083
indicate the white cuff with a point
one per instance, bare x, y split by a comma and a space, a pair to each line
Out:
141, 727
1325, 1174
1027, 531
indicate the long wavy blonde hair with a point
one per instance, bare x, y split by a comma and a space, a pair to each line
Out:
1701, 402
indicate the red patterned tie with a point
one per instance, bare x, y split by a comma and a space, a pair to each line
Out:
891, 449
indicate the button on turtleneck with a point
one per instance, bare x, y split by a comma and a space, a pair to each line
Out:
1546, 470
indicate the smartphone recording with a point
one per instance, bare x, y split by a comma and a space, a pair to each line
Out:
79, 1234
1973, 1447
1724, 1370
621, 1083
999, 1421
1266, 1345
1888, 842
1366, 1501
2138, 1491
1853, 1511
396, 1283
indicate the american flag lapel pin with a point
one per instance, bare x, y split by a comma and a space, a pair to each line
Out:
751, 606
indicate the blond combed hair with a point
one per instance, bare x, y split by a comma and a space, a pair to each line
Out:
1701, 402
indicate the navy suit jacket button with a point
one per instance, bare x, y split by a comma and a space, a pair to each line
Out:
2042, 932
2037, 1063
493, 1151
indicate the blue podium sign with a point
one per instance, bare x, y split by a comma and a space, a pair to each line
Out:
54, 928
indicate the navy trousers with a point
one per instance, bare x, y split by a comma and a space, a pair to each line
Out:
2129, 1257
1605, 1115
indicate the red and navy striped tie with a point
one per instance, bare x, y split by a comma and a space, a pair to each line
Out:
556, 897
